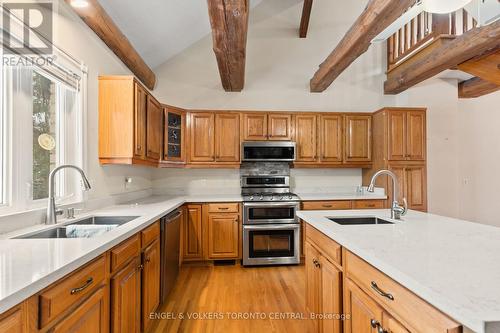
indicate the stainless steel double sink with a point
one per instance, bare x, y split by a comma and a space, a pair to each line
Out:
358, 220
107, 223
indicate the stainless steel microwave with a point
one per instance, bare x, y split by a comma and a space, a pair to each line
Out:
268, 151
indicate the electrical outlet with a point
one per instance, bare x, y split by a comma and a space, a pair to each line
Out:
128, 182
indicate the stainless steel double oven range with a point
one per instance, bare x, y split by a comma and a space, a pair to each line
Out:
271, 229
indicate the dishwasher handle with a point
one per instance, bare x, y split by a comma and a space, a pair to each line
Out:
172, 216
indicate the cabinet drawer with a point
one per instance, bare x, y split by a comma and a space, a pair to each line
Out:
224, 208
368, 204
70, 290
398, 300
125, 251
329, 248
149, 234
326, 205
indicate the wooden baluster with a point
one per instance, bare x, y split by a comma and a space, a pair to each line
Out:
401, 42
412, 31
405, 37
465, 21
426, 24
390, 52
454, 23
419, 27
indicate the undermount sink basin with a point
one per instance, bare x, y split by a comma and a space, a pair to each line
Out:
86, 228
358, 220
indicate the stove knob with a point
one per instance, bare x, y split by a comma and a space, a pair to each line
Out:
290, 197
261, 197
251, 197
271, 198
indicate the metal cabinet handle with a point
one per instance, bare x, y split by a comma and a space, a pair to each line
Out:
89, 281
316, 263
376, 324
223, 208
140, 267
381, 292
327, 206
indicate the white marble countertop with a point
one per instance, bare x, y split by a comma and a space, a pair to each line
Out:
452, 264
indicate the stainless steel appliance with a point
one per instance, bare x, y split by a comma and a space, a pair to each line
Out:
271, 229
170, 227
268, 151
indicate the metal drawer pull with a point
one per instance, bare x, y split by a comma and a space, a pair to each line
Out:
87, 283
327, 206
316, 263
381, 292
223, 208
376, 324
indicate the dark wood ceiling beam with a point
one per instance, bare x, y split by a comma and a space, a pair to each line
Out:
476, 87
229, 21
101, 23
449, 54
377, 16
486, 67
304, 21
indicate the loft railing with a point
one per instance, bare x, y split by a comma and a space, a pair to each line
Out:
421, 30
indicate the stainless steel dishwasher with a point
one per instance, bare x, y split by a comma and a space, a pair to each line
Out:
170, 250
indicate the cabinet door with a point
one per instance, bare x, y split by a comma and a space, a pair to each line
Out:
416, 187
331, 296
306, 138
363, 311
331, 138
174, 130
91, 316
254, 126
150, 282
396, 135
192, 231
202, 139
126, 299
223, 236
154, 129
280, 127
415, 135
391, 325
141, 102
400, 173
227, 141
13, 321
313, 283
358, 139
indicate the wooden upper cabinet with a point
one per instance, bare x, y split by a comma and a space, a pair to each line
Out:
358, 138
306, 138
141, 103
330, 128
202, 137
154, 129
150, 282
406, 135
416, 136
126, 299
192, 248
255, 126
223, 234
227, 140
279, 127
362, 310
174, 133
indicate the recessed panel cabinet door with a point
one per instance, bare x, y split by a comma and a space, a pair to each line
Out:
280, 127
202, 139
415, 136
255, 126
91, 316
150, 282
126, 299
223, 236
416, 191
358, 144
227, 142
313, 285
391, 325
331, 296
400, 173
397, 135
361, 309
13, 321
331, 138
141, 102
154, 129
306, 138
192, 232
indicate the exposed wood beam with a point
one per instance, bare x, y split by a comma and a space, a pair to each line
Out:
229, 21
476, 87
377, 16
447, 52
486, 67
101, 23
304, 21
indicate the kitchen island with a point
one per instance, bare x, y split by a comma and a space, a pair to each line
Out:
449, 263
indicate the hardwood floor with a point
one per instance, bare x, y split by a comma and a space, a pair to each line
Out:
226, 292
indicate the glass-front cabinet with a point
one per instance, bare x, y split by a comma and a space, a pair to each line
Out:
174, 143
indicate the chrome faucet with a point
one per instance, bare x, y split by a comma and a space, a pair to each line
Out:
396, 210
52, 212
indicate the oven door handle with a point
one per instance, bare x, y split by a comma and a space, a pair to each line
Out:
271, 204
271, 227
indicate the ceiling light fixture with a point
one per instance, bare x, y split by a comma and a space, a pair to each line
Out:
79, 3
443, 7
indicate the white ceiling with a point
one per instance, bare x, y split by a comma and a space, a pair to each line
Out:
160, 29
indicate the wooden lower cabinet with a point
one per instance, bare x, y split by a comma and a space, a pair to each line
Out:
91, 316
126, 298
13, 320
365, 315
150, 283
223, 235
192, 243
